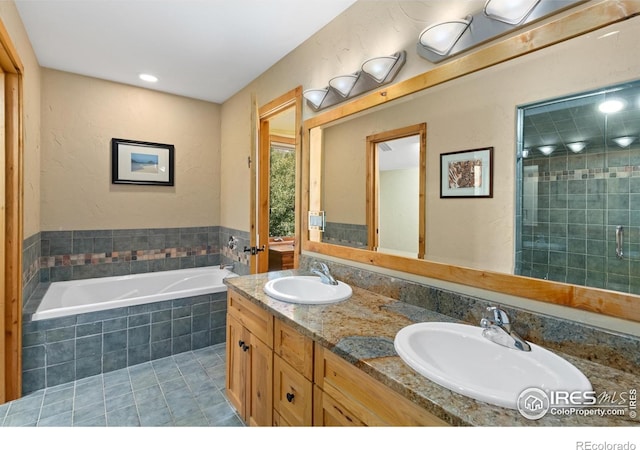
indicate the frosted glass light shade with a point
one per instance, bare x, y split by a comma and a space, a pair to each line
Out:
343, 84
315, 96
441, 38
509, 11
624, 141
547, 149
576, 147
379, 67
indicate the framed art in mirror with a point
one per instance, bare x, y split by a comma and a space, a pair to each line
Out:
467, 173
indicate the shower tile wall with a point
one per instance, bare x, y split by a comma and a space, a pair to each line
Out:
580, 200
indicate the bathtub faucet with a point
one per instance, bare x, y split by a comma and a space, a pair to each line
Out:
224, 266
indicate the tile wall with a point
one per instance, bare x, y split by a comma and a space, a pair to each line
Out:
345, 234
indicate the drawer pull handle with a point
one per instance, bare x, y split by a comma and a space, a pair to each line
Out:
290, 397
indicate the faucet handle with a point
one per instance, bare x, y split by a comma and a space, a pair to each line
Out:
498, 318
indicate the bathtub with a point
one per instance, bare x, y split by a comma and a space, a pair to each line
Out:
66, 298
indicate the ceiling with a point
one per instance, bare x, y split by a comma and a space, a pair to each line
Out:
203, 49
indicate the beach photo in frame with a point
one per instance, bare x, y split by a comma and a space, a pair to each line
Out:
467, 173
138, 162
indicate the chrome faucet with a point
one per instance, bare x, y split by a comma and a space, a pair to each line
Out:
224, 266
498, 329
321, 269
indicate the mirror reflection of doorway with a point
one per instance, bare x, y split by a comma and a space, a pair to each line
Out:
396, 178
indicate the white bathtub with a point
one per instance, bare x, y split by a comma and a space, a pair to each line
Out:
66, 298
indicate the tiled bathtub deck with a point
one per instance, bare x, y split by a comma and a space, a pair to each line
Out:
186, 389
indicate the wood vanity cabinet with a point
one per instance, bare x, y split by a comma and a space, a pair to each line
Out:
292, 377
277, 376
345, 395
249, 360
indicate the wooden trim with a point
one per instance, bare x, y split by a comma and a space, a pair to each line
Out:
264, 185
13, 235
5, 316
9, 58
582, 21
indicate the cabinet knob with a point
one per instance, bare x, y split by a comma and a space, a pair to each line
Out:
290, 397
245, 347
240, 343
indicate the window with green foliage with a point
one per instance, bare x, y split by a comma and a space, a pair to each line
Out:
282, 191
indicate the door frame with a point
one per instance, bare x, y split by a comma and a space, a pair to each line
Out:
11, 222
260, 204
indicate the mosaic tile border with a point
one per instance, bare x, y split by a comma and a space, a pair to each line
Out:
587, 174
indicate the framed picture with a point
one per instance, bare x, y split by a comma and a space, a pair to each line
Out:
467, 173
136, 162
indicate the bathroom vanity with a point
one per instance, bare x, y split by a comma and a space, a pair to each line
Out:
291, 364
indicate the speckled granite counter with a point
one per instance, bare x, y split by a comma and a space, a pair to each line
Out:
362, 329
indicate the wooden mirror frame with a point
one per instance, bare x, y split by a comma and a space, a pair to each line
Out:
582, 21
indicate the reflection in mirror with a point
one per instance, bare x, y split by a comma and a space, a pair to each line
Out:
578, 215
471, 103
395, 191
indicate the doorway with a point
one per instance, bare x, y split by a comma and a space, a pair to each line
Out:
279, 156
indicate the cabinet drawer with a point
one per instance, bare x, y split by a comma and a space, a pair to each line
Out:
368, 399
292, 394
258, 321
327, 412
295, 348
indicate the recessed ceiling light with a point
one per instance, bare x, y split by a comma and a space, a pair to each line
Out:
611, 106
148, 77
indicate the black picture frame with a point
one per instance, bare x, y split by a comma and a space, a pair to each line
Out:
467, 174
142, 163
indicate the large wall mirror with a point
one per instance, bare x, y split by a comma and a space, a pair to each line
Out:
472, 102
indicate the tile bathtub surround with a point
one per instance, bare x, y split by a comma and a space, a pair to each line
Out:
31, 251
73, 255
616, 350
61, 350
346, 234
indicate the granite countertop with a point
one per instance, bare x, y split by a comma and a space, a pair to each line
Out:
362, 329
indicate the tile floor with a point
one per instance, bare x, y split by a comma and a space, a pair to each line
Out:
180, 390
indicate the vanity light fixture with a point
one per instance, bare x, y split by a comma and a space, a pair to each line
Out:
509, 11
611, 106
343, 84
315, 96
380, 68
374, 73
547, 149
443, 40
148, 78
576, 147
624, 141
441, 37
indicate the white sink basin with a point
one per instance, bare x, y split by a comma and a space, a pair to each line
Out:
306, 290
459, 358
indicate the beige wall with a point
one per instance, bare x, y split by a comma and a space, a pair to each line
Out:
31, 91
80, 115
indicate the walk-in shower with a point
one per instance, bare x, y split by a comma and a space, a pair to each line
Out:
578, 189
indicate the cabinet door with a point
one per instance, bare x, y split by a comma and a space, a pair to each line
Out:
327, 412
292, 394
236, 365
260, 400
